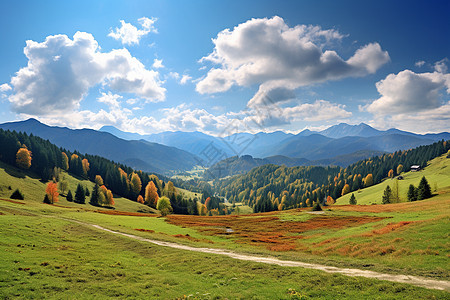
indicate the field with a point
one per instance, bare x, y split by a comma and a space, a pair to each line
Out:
52, 251
46, 255
437, 173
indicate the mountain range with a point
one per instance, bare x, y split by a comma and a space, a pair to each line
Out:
171, 152
138, 154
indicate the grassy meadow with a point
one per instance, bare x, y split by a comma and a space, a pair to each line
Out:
47, 251
437, 173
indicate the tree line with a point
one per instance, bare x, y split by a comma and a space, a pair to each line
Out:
272, 187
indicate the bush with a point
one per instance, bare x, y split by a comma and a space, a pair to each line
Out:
317, 207
17, 194
46, 199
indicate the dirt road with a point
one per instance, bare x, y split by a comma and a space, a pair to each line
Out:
414, 280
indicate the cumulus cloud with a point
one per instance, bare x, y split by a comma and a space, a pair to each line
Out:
157, 63
269, 53
408, 92
129, 34
61, 71
419, 63
5, 88
412, 101
110, 99
185, 79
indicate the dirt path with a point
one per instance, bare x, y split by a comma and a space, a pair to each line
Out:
414, 280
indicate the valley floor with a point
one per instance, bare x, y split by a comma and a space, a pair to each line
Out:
51, 252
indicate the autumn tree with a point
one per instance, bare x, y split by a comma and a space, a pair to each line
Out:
52, 192
164, 206
23, 158
330, 200
399, 169
140, 199
85, 166
352, 199
171, 192
64, 161
99, 180
63, 185
368, 180
151, 194
391, 173
136, 184
387, 196
345, 190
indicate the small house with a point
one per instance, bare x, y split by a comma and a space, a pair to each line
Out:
415, 168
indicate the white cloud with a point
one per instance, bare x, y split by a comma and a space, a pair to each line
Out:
409, 92
417, 102
174, 75
47, 85
273, 55
157, 63
129, 34
110, 99
441, 66
5, 88
185, 79
419, 63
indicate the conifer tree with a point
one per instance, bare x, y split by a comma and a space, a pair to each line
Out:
69, 196
80, 196
424, 189
352, 199
387, 196
412, 193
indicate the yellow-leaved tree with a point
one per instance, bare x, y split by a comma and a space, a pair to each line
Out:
23, 157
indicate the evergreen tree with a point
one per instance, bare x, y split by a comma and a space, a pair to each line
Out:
17, 194
353, 199
424, 189
69, 196
94, 195
387, 196
412, 193
80, 196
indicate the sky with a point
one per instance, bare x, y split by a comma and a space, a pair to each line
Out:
218, 66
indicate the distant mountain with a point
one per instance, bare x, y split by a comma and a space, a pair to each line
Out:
243, 164
341, 140
193, 142
138, 154
343, 130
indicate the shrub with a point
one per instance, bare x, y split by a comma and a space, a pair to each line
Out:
17, 194
317, 207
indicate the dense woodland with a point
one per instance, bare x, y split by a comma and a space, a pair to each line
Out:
45, 160
265, 188
272, 187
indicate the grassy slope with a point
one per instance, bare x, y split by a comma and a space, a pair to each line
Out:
34, 189
46, 257
437, 174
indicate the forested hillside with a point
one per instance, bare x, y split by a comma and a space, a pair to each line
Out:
271, 187
45, 160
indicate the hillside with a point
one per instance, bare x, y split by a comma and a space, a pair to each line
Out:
33, 190
437, 173
142, 155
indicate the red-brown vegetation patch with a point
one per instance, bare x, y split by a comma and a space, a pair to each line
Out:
12, 201
188, 237
125, 213
144, 230
388, 228
267, 230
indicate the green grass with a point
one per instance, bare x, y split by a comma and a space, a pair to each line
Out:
437, 174
45, 257
189, 195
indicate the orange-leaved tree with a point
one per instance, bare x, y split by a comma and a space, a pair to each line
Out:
151, 194
99, 180
391, 173
140, 199
23, 157
136, 184
345, 189
330, 200
52, 192
85, 165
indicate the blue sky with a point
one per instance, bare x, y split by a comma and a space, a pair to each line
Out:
152, 66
